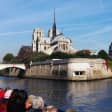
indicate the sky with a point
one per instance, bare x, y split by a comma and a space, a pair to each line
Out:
87, 22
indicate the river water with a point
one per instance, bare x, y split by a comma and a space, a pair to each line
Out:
93, 96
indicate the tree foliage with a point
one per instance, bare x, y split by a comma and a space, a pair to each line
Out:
39, 56
103, 54
83, 53
59, 55
35, 56
8, 58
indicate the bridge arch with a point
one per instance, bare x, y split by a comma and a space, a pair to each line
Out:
5, 66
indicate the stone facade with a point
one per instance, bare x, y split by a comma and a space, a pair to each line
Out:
54, 42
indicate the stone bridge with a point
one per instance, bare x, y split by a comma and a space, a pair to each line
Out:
20, 66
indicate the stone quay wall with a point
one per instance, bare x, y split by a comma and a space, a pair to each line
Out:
47, 70
71, 69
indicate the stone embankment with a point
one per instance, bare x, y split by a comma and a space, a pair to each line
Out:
72, 69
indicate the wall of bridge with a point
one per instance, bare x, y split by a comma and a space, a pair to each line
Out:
14, 70
20, 66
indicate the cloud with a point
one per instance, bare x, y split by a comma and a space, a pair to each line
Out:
100, 31
14, 33
28, 13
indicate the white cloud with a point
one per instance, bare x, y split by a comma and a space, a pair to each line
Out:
100, 31
14, 33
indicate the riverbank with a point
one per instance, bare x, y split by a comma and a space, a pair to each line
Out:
78, 69
64, 79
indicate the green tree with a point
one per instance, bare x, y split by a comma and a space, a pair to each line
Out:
83, 54
103, 54
59, 55
39, 56
8, 58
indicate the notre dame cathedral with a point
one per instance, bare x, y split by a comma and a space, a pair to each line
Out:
54, 42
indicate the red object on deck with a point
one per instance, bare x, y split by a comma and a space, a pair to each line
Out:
3, 107
2, 92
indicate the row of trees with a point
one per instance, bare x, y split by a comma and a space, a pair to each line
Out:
10, 58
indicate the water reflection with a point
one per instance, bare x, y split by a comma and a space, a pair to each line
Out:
84, 96
90, 96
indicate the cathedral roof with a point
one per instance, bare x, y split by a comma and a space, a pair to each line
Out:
60, 38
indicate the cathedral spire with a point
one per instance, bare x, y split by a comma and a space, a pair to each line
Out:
54, 26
